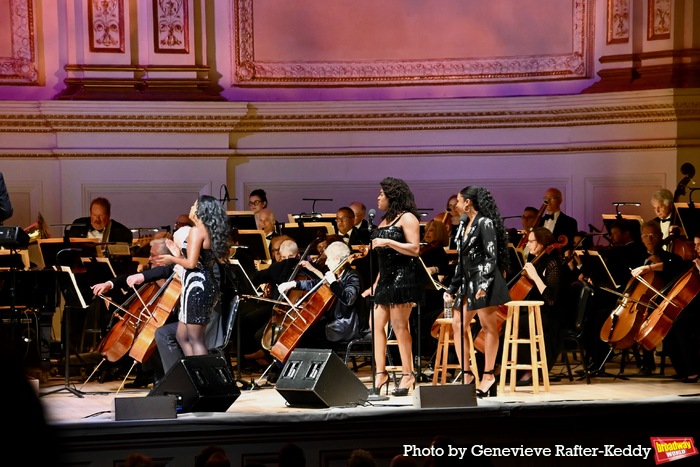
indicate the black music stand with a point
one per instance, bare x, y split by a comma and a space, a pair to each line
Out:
689, 215
255, 243
69, 261
241, 220
304, 233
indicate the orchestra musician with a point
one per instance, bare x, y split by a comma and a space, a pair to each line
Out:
360, 210
664, 207
397, 288
666, 264
450, 217
257, 201
436, 261
345, 227
207, 244
341, 323
100, 225
682, 343
555, 220
550, 282
478, 286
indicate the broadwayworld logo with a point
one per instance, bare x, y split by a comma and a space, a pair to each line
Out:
672, 449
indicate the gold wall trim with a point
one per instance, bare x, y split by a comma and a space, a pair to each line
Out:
22, 67
575, 64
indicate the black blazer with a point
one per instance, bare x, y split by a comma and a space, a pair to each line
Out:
565, 225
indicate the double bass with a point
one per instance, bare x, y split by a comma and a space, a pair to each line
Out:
315, 303
677, 240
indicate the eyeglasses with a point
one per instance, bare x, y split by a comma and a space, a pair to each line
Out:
547, 199
254, 203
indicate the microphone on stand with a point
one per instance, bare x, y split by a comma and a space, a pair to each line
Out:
463, 220
371, 214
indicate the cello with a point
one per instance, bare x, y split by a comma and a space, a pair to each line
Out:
621, 327
657, 324
519, 287
160, 309
316, 302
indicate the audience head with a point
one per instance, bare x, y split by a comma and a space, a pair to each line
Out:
360, 211
436, 232
291, 455
257, 200
138, 460
361, 458
212, 456
344, 220
662, 202
100, 213
403, 461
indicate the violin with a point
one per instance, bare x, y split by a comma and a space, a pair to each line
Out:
316, 302
519, 287
621, 327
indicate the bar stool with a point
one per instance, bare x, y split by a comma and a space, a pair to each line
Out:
511, 341
445, 339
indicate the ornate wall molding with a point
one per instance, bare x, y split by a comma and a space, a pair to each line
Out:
21, 68
106, 25
574, 64
171, 26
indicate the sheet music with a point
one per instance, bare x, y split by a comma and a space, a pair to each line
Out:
252, 287
76, 289
596, 268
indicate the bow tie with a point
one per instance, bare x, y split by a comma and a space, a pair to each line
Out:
547, 217
346, 236
665, 220
98, 231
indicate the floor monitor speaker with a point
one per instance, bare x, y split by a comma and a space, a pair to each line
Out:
451, 395
319, 378
200, 384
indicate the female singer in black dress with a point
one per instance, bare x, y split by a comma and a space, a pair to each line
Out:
207, 243
479, 283
396, 289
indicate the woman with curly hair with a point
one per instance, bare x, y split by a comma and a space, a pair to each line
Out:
207, 243
397, 287
478, 282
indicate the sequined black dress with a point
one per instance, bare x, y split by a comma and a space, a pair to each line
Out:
200, 291
398, 273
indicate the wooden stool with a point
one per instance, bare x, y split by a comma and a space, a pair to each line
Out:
445, 339
538, 358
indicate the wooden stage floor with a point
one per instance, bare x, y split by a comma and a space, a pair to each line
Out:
610, 411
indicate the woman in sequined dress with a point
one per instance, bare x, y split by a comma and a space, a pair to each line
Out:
478, 282
207, 243
397, 287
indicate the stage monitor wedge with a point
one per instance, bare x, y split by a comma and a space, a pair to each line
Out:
318, 378
202, 383
13, 237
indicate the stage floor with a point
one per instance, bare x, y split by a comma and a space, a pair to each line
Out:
609, 411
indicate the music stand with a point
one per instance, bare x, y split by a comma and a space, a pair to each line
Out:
50, 247
73, 298
608, 219
304, 233
242, 220
689, 216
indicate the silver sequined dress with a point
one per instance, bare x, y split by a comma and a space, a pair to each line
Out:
200, 292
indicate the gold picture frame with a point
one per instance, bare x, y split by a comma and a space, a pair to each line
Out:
659, 20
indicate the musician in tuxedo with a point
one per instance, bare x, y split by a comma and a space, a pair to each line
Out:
555, 220
100, 225
668, 265
341, 322
267, 221
682, 343
256, 314
360, 210
5, 203
664, 207
345, 227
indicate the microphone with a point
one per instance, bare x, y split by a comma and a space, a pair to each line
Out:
463, 220
592, 228
371, 215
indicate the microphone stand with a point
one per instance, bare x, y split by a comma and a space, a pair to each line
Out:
374, 396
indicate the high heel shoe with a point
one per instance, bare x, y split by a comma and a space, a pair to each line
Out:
460, 378
491, 391
377, 390
399, 391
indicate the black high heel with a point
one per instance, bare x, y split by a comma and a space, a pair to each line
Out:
491, 391
404, 391
460, 378
377, 390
